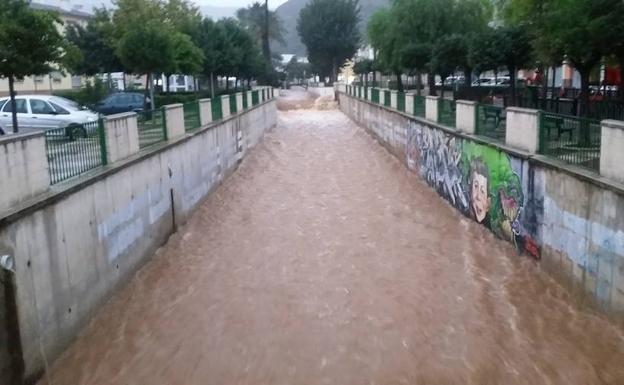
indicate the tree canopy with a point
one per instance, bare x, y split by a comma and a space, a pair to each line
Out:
329, 30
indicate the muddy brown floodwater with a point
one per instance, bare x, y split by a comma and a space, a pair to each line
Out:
322, 260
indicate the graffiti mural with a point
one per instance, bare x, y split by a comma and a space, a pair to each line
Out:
476, 179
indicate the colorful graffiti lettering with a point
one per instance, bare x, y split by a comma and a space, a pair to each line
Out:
476, 179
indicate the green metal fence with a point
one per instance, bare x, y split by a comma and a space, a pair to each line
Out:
491, 121
375, 95
446, 112
245, 104
419, 106
152, 127
217, 111
571, 139
401, 101
255, 99
233, 109
366, 93
191, 116
74, 150
387, 98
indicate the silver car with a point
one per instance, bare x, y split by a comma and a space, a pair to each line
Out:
46, 112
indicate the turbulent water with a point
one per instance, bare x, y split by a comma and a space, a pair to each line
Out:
322, 260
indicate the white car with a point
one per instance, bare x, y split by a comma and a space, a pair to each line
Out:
46, 112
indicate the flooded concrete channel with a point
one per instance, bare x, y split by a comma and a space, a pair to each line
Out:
323, 260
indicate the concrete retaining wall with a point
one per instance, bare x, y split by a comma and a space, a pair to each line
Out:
74, 247
572, 221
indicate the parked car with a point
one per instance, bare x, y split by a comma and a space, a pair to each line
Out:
120, 102
483, 82
46, 112
451, 80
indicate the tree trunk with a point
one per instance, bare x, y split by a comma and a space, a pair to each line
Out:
109, 79
212, 94
146, 92
374, 78
227, 84
123, 80
583, 111
167, 82
399, 81
431, 84
13, 105
541, 98
552, 97
512, 83
334, 72
418, 82
621, 85
152, 102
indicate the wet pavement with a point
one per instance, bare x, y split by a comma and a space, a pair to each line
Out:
322, 260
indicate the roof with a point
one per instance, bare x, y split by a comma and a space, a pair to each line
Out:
61, 11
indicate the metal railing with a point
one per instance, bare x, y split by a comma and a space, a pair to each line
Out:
217, 111
401, 101
74, 150
387, 98
446, 112
233, 108
191, 116
255, 99
375, 95
491, 121
152, 127
419, 106
572, 139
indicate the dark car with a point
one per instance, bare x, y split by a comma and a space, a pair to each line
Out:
120, 102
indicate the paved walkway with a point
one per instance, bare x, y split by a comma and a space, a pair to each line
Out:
322, 260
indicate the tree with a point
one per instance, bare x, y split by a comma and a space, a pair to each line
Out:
448, 53
30, 44
514, 46
96, 44
252, 19
148, 48
329, 30
209, 35
363, 68
384, 37
187, 57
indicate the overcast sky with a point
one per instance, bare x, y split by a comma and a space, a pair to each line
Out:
236, 3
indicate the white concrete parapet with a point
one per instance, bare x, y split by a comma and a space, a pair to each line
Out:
225, 106
249, 99
523, 129
382, 97
431, 108
466, 115
409, 103
122, 136
24, 172
205, 112
393, 99
239, 101
174, 120
369, 94
612, 150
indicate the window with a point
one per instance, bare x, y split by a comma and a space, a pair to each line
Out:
56, 76
180, 80
39, 79
38, 106
59, 110
20, 106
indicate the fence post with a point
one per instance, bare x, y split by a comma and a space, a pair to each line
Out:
432, 108
205, 112
102, 137
409, 103
239, 101
393, 100
225, 106
611, 154
174, 121
249, 97
523, 129
466, 116
382, 97
121, 136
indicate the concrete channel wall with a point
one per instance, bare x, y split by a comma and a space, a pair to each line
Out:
570, 220
75, 244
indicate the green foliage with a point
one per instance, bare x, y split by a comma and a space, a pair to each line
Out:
88, 95
297, 70
147, 48
252, 19
30, 44
329, 30
95, 42
449, 52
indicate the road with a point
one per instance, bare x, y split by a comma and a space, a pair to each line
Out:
322, 260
